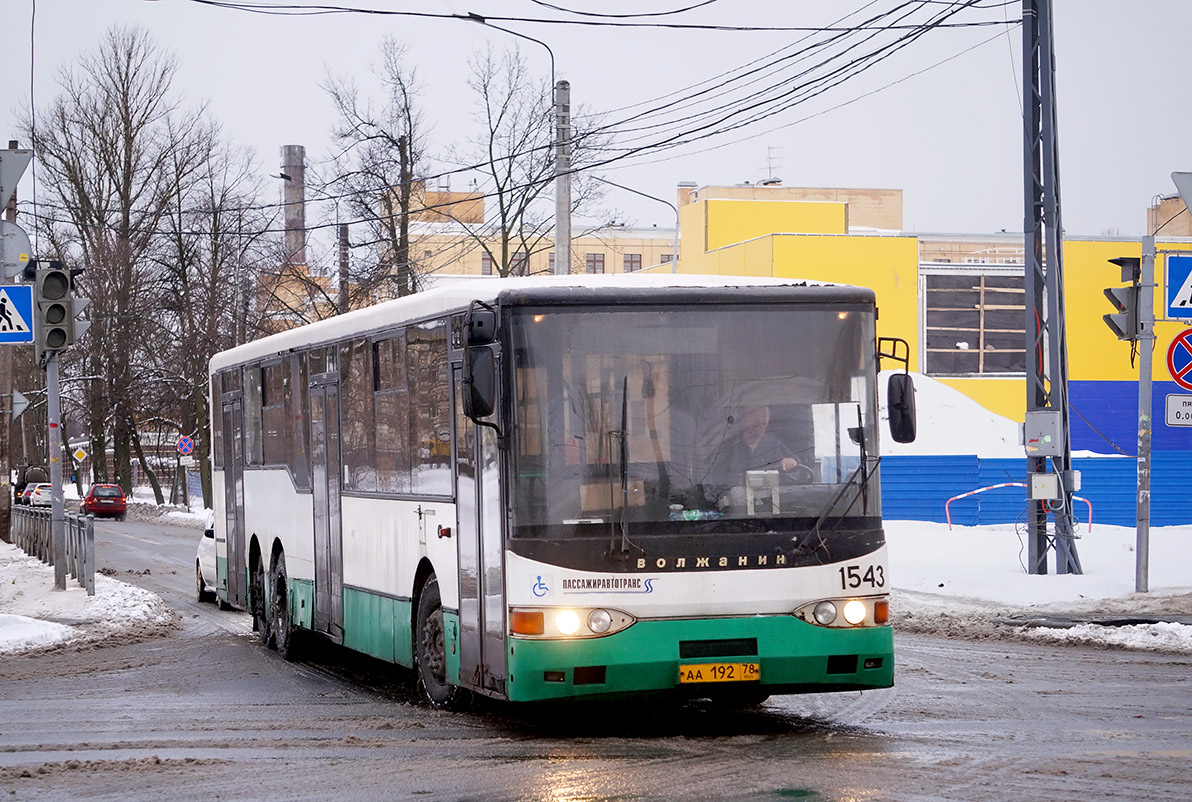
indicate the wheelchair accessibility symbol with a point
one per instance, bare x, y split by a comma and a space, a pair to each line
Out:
540, 589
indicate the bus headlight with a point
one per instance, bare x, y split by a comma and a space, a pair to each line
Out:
825, 613
599, 621
854, 611
544, 623
567, 622
866, 611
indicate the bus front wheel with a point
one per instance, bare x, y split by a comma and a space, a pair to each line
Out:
430, 649
284, 636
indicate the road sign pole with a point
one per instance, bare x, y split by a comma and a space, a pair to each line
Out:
54, 436
1146, 348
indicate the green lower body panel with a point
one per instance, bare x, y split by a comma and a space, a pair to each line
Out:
302, 599
378, 626
793, 657
451, 643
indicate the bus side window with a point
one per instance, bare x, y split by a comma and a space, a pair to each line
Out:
253, 454
356, 411
430, 414
297, 394
216, 402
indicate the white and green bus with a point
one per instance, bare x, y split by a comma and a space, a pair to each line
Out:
569, 487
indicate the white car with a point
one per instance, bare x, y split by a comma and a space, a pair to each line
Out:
40, 497
205, 562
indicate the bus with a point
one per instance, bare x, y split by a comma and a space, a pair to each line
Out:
569, 487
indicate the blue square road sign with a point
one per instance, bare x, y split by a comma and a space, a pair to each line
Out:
16, 313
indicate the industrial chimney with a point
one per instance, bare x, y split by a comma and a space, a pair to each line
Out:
293, 174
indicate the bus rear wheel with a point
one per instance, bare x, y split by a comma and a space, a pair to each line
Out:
430, 651
260, 611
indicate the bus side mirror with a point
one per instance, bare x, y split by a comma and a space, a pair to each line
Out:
900, 402
482, 326
481, 380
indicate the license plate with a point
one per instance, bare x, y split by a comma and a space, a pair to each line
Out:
719, 672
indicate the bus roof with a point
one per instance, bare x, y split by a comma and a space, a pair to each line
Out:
549, 289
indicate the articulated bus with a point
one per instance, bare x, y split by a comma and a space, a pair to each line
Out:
569, 487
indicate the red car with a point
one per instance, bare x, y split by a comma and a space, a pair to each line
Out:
105, 499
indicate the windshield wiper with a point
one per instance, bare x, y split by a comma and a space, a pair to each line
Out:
622, 435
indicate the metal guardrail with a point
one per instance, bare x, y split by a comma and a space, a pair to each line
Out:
31, 533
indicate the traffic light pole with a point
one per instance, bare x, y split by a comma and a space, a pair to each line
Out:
1146, 347
54, 438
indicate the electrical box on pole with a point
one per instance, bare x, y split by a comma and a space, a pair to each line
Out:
1124, 321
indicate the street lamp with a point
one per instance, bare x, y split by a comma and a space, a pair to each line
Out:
561, 101
675, 259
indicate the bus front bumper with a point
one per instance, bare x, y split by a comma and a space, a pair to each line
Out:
649, 657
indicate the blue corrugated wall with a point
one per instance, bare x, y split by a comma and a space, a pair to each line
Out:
916, 488
1104, 420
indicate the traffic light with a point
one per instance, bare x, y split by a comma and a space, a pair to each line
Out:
55, 308
1124, 321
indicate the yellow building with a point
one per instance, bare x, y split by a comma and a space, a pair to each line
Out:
958, 300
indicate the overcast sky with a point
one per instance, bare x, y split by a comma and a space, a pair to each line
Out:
949, 137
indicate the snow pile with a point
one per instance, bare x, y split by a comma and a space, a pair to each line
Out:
951, 423
20, 633
1159, 637
971, 582
36, 616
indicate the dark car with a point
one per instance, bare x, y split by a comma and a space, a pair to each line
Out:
105, 499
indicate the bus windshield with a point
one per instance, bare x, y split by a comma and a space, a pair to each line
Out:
663, 419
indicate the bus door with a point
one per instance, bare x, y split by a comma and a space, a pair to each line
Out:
325, 488
481, 553
233, 459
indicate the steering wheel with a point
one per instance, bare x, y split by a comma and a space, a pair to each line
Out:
801, 475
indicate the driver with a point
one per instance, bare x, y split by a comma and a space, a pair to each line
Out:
753, 448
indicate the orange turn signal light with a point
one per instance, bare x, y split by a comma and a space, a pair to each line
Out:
525, 622
881, 611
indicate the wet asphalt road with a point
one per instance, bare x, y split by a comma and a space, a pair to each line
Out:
207, 713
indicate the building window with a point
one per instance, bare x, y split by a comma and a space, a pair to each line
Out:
486, 264
975, 323
550, 260
518, 265
633, 261
666, 257
595, 262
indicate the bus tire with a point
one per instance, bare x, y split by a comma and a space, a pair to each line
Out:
261, 617
284, 636
430, 651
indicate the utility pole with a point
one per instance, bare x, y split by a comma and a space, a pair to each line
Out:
6, 385
54, 444
14, 256
1146, 346
1046, 428
343, 268
562, 178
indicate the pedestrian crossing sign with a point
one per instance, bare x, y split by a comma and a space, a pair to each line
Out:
1179, 286
16, 313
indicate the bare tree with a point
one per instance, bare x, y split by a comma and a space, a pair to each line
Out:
110, 148
515, 151
216, 238
381, 146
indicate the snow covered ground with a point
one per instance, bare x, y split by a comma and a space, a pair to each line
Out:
966, 582
34, 616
